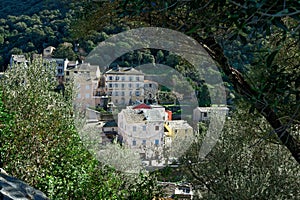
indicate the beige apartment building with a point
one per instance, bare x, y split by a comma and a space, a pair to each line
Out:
125, 85
86, 79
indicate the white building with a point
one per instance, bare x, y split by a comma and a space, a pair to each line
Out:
203, 113
125, 85
59, 63
147, 130
17, 60
142, 129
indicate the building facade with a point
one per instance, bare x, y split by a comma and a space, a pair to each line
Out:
147, 130
204, 113
142, 129
18, 60
150, 91
125, 85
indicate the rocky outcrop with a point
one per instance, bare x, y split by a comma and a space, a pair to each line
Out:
14, 189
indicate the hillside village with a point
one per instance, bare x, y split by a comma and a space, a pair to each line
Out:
142, 119
140, 122
124, 106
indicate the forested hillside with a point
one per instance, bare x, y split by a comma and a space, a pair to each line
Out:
28, 7
27, 27
255, 45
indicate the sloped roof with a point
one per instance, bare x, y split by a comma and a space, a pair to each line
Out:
123, 70
133, 117
213, 108
178, 124
153, 115
110, 124
142, 106
18, 58
137, 116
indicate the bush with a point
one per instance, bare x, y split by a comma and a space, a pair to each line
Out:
40, 144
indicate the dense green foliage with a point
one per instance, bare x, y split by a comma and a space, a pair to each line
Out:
29, 7
5, 123
41, 146
256, 46
30, 34
247, 163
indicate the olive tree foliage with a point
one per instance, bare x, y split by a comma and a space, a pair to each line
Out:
243, 165
40, 144
243, 37
42, 147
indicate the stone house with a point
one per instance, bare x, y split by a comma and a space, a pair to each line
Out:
204, 113
17, 60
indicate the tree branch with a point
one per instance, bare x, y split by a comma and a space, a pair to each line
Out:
259, 100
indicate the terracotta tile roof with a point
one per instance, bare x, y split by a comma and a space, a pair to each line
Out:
142, 106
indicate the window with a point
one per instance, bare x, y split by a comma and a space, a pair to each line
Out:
123, 78
116, 101
116, 93
110, 85
87, 87
110, 78
134, 128
87, 95
116, 85
133, 143
137, 78
144, 142
123, 85
156, 142
144, 128
67, 73
150, 85
79, 96
185, 189
156, 128
129, 85
137, 93
117, 78
123, 93
130, 78
205, 114
60, 71
137, 85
